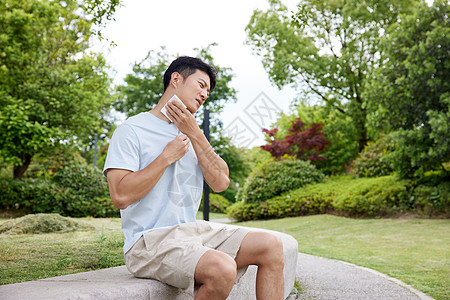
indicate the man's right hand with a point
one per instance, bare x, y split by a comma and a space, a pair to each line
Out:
176, 149
127, 187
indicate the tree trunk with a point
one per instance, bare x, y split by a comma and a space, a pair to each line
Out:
20, 170
362, 138
360, 119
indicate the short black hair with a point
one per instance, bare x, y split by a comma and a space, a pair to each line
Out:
186, 66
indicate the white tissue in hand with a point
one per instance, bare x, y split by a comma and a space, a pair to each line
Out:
164, 109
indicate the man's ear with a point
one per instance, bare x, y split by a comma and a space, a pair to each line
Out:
176, 79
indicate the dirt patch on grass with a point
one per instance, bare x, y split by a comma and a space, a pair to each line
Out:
42, 223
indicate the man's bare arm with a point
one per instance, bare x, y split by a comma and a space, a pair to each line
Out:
214, 168
127, 187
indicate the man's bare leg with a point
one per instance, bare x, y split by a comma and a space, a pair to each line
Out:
266, 251
216, 274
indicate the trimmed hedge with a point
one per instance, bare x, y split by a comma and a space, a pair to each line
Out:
217, 203
75, 191
375, 160
277, 177
354, 197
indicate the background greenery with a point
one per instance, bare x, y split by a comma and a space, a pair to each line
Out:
354, 197
374, 74
51, 89
76, 190
276, 177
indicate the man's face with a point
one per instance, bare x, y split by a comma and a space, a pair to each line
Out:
194, 90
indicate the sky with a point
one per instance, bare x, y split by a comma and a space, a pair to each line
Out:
181, 26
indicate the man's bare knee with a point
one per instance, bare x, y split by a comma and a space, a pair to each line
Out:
271, 251
275, 254
216, 272
261, 249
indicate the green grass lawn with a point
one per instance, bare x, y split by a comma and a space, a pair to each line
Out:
416, 251
33, 256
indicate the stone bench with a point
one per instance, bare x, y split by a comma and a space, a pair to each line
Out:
118, 283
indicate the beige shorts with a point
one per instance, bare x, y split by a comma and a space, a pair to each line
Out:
171, 255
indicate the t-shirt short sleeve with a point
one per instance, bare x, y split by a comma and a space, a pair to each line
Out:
123, 151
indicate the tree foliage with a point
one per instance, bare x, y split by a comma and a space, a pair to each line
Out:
339, 130
100, 12
410, 92
330, 47
51, 90
304, 142
144, 86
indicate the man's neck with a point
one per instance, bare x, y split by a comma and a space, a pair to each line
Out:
156, 111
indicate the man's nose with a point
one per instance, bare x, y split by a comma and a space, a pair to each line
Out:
204, 95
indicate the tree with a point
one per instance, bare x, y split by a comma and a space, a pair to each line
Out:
51, 91
410, 92
305, 143
337, 129
329, 47
144, 86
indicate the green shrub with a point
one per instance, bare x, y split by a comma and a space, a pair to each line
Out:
89, 191
432, 200
277, 177
242, 211
87, 181
31, 195
307, 200
355, 197
229, 194
217, 203
373, 197
75, 191
375, 160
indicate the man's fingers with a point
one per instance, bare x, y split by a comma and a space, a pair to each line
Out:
183, 137
172, 113
182, 109
184, 140
176, 107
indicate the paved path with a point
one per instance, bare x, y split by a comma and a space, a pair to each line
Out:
322, 278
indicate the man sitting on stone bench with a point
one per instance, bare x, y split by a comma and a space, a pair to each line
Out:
155, 166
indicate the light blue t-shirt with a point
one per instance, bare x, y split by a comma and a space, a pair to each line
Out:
175, 198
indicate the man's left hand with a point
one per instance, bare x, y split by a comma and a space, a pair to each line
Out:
182, 118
